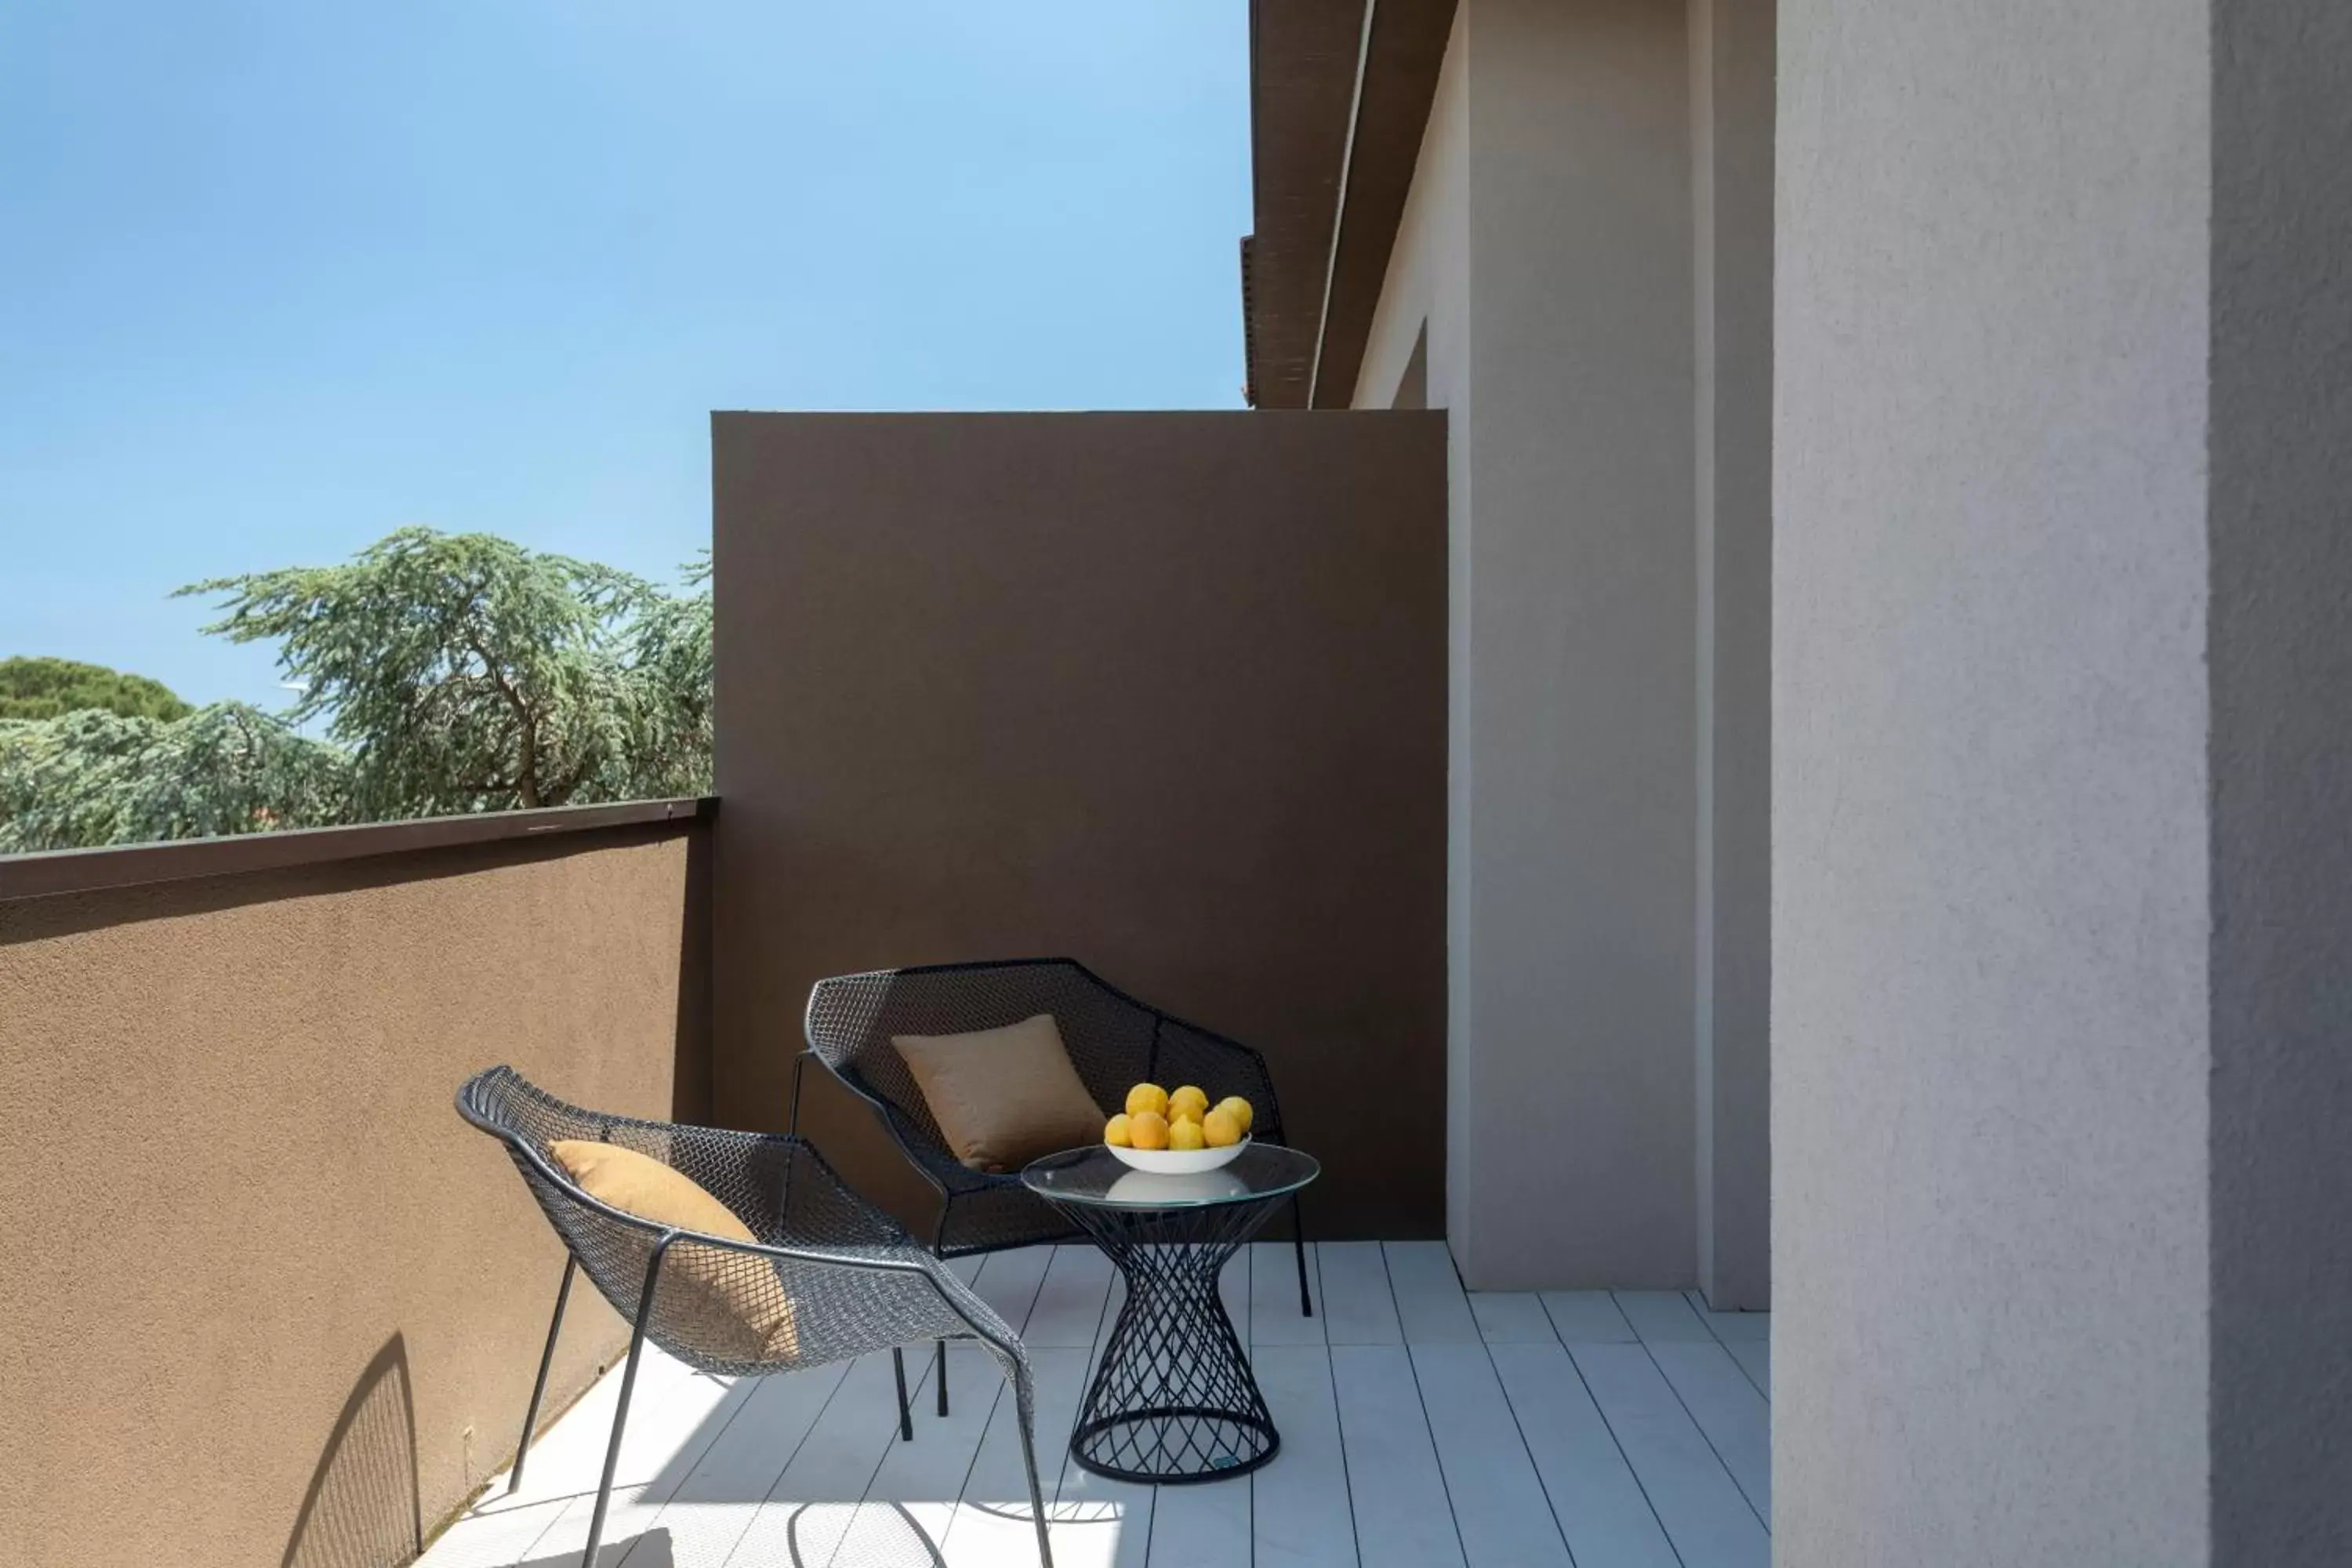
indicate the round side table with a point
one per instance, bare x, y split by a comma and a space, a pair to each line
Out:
1172, 1399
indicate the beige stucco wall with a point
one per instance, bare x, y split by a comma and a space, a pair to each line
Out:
1547, 243
1990, 1007
268, 1299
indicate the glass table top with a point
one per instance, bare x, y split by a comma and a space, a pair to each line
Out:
1096, 1176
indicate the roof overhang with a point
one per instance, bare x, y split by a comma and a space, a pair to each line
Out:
1340, 95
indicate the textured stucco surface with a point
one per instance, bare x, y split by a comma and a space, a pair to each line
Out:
1582, 662
2280, 625
1547, 242
1989, 785
1731, 155
1423, 321
1164, 692
260, 1279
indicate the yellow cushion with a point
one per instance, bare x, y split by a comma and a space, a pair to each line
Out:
1003, 1097
734, 1305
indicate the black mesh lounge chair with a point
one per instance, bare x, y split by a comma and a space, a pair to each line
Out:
843, 1276
1114, 1041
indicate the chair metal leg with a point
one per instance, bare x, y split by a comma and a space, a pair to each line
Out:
1022, 1400
906, 1415
793, 1124
621, 1416
1298, 1241
943, 1370
546, 1359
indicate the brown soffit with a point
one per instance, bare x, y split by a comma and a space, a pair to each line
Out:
1303, 59
133, 865
1404, 47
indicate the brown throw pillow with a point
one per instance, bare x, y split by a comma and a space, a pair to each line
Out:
1003, 1097
734, 1304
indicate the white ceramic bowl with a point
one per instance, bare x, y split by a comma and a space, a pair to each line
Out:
1179, 1161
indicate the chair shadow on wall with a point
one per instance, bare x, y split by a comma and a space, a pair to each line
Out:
362, 1509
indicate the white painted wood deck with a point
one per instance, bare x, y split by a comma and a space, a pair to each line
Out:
1420, 1428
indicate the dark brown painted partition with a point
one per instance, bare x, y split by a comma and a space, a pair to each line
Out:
1163, 692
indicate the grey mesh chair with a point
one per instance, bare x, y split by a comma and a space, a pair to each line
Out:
1114, 1040
850, 1279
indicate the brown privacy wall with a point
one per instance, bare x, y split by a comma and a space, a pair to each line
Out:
1163, 692
267, 1300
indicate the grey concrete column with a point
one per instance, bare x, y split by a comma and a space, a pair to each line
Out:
1574, 752
2062, 770
2279, 649
1731, 48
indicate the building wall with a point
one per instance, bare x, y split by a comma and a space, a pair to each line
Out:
2279, 651
1731, 160
1991, 927
1547, 243
1583, 771
270, 1299
1163, 692
1424, 318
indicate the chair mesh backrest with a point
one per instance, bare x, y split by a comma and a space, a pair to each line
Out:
527, 1120
851, 1019
753, 1178
854, 1281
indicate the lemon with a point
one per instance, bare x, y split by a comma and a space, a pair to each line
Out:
1114, 1133
1186, 1135
1147, 1130
1146, 1097
1233, 1105
1188, 1102
1221, 1129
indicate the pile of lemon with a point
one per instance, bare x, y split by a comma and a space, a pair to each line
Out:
1155, 1118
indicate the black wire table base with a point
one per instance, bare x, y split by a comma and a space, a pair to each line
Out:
1174, 1399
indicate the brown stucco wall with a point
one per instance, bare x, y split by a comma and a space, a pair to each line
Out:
1164, 692
267, 1300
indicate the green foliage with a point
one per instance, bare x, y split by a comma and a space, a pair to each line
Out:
92, 777
47, 687
468, 673
455, 673
670, 724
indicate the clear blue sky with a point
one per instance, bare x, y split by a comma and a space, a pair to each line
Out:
278, 275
